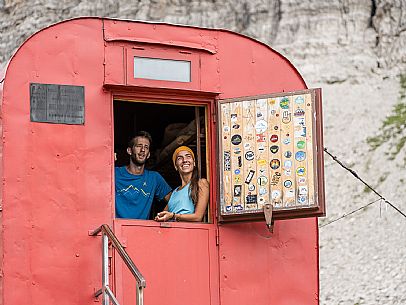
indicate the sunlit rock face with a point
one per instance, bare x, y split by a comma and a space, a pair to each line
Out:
356, 51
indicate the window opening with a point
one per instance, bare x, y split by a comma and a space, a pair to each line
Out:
170, 125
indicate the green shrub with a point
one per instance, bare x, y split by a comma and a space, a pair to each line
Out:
392, 129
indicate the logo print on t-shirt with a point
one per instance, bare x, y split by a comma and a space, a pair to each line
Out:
125, 190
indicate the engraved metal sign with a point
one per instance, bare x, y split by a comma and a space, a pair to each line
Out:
61, 104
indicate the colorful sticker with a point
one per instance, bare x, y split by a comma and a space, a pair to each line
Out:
275, 178
275, 163
262, 191
261, 137
262, 180
287, 183
287, 164
249, 177
261, 126
300, 155
249, 155
238, 207
290, 194
284, 103
276, 194
274, 138
236, 139
299, 112
300, 121
274, 149
239, 161
301, 171
302, 190
301, 180
299, 100
237, 190
260, 115
288, 154
301, 144
261, 162
286, 141
227, 161
286, 117
302, 199
251, 199
287, 172
300, 133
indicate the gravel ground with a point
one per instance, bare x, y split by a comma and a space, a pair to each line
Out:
362, 256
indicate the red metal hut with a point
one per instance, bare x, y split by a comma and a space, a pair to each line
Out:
71, 95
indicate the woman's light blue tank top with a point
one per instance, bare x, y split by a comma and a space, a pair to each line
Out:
180, 201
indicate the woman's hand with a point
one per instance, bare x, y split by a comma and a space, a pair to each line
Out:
164, 216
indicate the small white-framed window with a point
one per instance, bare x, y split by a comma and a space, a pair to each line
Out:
162, 69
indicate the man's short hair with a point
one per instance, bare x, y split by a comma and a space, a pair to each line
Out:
142, 134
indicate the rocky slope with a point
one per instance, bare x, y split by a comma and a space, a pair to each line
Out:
355, 51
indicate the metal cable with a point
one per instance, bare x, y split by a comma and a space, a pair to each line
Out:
367, 185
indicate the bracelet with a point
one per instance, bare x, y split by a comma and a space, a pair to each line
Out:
173, 215
177, 218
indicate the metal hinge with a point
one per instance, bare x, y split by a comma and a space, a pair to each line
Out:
268, 208
217, 237
214, 111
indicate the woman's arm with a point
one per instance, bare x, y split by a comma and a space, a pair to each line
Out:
200, 208
164, 215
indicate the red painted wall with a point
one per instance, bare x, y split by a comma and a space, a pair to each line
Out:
58, 181
56, 178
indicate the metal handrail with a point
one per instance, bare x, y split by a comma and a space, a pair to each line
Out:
108, 235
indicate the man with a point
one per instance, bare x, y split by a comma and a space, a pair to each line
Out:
135, 186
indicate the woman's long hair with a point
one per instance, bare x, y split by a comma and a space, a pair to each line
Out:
194, 186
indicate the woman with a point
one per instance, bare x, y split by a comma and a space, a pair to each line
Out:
189, 201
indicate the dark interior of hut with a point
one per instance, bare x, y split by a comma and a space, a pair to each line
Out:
170, 127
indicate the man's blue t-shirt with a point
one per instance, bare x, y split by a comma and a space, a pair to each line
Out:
135, 193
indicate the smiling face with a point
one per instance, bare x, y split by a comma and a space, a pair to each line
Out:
139, 153
184, 162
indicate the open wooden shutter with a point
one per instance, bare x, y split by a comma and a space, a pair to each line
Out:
271, 151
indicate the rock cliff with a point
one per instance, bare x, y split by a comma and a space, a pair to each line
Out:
356, 51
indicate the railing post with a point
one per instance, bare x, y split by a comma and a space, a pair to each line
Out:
108, 295
105, 268
140, 294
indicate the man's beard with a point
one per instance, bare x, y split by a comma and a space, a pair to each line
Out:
136, 161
